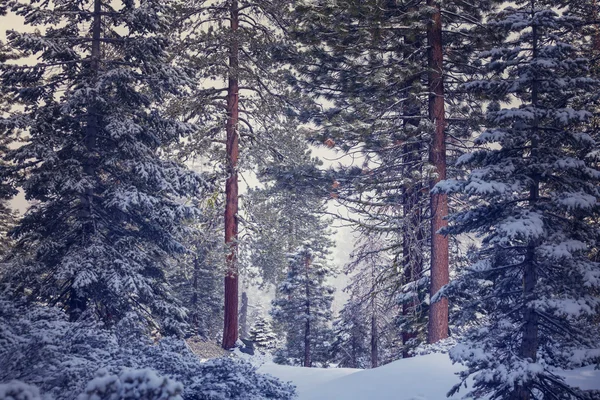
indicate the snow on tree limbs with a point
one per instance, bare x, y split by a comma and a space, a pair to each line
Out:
107, 214
535, 178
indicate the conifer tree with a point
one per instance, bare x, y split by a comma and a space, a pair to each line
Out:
109, 213
240, 51
351, 348
381, 64
262, 335
535, 183
303, 305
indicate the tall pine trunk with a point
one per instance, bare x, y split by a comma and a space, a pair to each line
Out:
438, 312
230, 328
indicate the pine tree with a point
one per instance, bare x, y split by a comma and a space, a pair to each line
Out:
197, 278
262, 336
350, 347
535, 184
380, 63
239, 49
109, 212
303, 305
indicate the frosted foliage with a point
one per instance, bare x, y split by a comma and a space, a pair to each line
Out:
531, 297
16, 390
109, 210
131, 385
303, 306
39, 346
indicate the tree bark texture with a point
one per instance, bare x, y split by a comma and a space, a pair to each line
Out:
438, 312
230, 328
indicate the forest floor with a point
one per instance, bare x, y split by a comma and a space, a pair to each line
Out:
427, 377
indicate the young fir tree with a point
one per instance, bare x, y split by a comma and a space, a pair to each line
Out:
262, 336
108, 216
303, 305
351, 347
535, 187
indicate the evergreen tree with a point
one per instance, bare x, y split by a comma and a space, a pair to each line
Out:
380, 64
303, 306
109, 215
350, 347
535, 188
239, 49
197, 278
262, 335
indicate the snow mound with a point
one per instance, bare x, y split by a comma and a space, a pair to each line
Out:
427, 377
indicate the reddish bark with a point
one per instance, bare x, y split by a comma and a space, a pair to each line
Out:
438, 312
230, 328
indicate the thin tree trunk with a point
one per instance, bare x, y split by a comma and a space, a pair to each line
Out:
230, 328
195, 320
244, 316
529, 343
78, 302
438, 312
412, 241
374, 335
307, 327
596, 36
412, 235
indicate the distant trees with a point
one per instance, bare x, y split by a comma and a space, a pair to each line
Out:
534, 199
367, 330
197, 277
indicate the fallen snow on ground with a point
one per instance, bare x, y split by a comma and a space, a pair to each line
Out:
427, 377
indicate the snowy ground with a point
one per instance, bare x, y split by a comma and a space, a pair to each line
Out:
426, 377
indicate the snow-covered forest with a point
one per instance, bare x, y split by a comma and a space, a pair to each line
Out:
303, 199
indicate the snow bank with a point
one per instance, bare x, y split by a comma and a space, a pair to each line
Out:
427, 377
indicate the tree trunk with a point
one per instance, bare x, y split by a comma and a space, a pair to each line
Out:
230, 328
307, 333
438, 312
529, 343
244, 316
412, 235
374, 335
412, 240
77, 301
